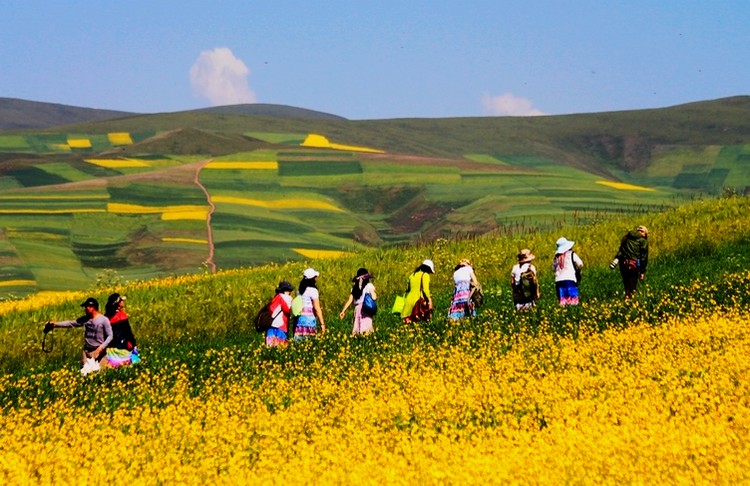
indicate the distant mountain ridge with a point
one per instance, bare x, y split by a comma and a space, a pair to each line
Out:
18, 114
265, 109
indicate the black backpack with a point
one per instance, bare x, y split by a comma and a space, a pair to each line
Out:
576, 268
264, 318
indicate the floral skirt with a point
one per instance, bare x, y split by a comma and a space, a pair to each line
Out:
306, 327
122, 357
276, 337
460, 302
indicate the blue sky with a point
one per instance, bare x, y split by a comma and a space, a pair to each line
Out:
376, 59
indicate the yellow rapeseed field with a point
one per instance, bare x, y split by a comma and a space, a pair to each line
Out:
118, 163
120, 138
195, 215
645, 405
125, 208
625, 186
13, 283
313, 253
194, 241
286, 203
79, 143
319, 141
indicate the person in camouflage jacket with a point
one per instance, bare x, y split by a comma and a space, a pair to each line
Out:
632, 258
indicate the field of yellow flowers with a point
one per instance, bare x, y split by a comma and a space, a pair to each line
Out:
652, 390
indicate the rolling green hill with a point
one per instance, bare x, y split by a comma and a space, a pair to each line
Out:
266, 109
18, 114
148, 195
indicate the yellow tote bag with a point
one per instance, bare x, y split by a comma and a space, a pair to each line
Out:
398, 306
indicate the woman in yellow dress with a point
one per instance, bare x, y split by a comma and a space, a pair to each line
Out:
419, 286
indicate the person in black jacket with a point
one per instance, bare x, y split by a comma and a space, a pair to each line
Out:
632, 258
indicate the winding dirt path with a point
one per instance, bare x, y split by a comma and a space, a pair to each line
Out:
211, 209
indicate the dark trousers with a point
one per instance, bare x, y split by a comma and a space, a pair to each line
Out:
629, 279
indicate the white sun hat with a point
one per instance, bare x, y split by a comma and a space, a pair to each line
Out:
564, 244
310, 273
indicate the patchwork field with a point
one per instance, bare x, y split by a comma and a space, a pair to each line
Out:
78, 208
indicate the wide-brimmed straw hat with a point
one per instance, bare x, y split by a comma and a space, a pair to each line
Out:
564, 244
525, 256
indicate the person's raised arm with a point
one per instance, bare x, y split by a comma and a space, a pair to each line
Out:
76, 323
319, 314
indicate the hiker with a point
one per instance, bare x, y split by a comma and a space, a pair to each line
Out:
311, 314
464, 281
122, 349
566, 267
632, 258
524, 282
418, 304
361, 287
280, 308
97, 330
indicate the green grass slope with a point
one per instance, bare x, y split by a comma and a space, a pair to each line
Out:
703, 246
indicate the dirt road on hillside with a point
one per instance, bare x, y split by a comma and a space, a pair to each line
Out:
211, 209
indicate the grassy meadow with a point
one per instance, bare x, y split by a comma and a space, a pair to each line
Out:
646, 391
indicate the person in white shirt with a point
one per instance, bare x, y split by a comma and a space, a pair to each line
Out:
463, 279
361, 287
312, 314
566, 266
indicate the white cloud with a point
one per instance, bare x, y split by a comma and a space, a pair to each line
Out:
218, 76
509, 105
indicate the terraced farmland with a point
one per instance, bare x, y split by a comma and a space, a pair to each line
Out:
74, 207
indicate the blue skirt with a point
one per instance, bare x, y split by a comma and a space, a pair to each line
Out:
567, 292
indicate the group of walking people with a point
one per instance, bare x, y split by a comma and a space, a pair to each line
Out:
110, 336
631, 259
417, 304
